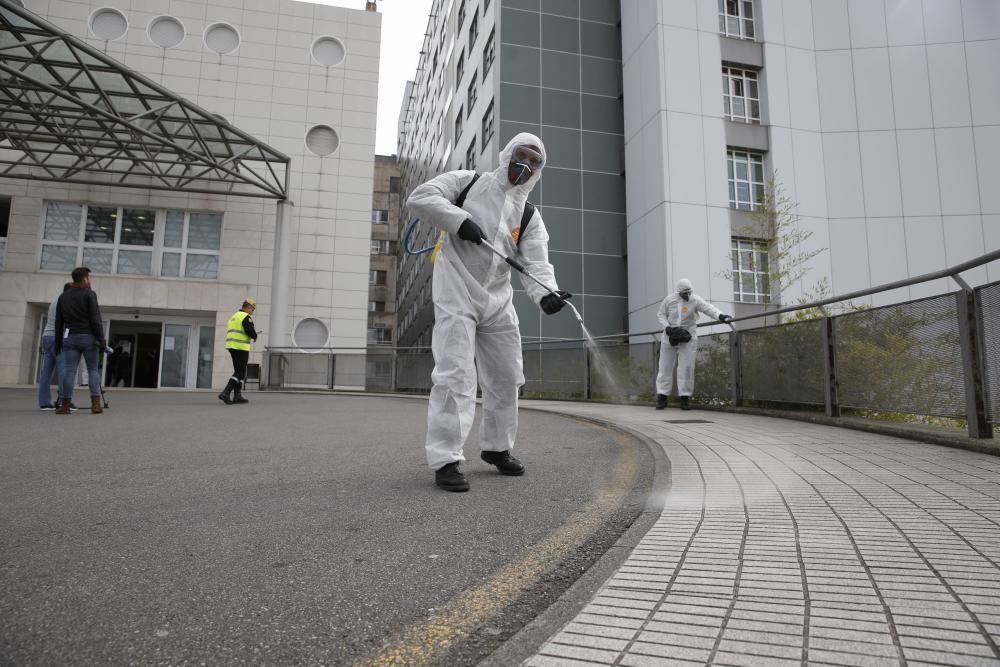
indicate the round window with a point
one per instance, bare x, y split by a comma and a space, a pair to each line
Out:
108, 24
311, 333
166, 32
328, 51
222, 38
322, 140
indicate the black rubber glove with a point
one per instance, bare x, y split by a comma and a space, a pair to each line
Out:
470, 231
724, 318
552, 304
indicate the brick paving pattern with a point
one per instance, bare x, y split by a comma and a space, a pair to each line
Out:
786, 543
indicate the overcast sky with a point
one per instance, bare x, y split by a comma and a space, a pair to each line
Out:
403, 25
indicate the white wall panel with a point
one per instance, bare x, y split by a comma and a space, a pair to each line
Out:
804, 101
719, 288
848, 255
686, 165
798, 25
904, 22
963, 240
777, 85
873, 89
981, 19
925, 253
987, 140
949, 84
867, 19
831, 29
688, 252
957, 171
842, 168
682, 14
710, 59
984, 80
810, 183
683, 78
714, 151
653, 172
880, 172
918, 173
910, 87
991, 233
887, 246
770, 22
834, 69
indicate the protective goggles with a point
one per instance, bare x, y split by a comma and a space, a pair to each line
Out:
528, 155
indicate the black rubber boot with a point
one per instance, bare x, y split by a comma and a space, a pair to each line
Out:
661, 401
684, 403
450, 478
238, 396
225, 395
505, 463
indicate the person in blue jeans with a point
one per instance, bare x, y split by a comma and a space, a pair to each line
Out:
50, 360
79, 332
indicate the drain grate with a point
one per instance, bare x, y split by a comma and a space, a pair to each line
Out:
687, 421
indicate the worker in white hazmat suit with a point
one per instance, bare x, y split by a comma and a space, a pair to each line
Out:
475, 326
679, 315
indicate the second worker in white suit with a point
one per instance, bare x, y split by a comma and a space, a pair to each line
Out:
475, 326
679, 315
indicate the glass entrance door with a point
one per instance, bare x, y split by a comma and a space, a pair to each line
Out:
175, 356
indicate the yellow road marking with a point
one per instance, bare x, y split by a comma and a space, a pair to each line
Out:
420, 644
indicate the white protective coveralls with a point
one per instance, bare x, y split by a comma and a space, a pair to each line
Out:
676, 312
474, 320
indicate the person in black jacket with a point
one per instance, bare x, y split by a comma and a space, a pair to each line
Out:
79, 332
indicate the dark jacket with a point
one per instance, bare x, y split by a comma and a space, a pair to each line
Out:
78, 311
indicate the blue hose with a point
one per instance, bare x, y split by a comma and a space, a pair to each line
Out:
406, 240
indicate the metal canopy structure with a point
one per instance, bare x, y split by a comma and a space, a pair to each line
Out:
71, 114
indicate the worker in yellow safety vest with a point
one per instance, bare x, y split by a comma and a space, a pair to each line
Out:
240, 335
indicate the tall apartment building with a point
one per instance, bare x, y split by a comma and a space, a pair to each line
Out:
384, 248
878, 118
181, 102
489, 70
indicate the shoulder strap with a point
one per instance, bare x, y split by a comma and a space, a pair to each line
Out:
526, 215
465, 191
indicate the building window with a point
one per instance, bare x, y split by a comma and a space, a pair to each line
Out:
488, 124
123, 241
4, 226
488, 53
394, 184
458, 123
740, 95
461, 15
470, 155
736, 18
376, 306
460, 69
473, 32
380, 216
472, 95
376, 278
379, 336
751, 275
746, 179
381, 247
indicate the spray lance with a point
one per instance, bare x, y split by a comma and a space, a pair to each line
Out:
514, 264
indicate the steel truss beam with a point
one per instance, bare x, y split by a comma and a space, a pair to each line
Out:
71, 114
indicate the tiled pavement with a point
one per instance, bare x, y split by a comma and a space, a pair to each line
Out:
784, 542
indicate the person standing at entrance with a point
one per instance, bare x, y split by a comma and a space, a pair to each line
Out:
679, 314
239, 336
79, 331
50, 360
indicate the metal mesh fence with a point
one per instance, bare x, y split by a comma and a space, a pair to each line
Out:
989, 308
712, 383
622, 372
905, 358
555, 372
299, 369
413, 370
784, 363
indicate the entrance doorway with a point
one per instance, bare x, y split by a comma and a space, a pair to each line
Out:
136, 358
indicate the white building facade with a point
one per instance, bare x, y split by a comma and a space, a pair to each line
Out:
880, 118
170, 268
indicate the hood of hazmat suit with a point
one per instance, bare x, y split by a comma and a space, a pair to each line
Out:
475, 325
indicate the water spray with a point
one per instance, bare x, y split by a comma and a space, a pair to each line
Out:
524, 271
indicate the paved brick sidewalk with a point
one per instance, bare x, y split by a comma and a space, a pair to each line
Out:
787, 543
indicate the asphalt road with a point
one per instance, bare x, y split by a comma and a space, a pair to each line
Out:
301, 529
